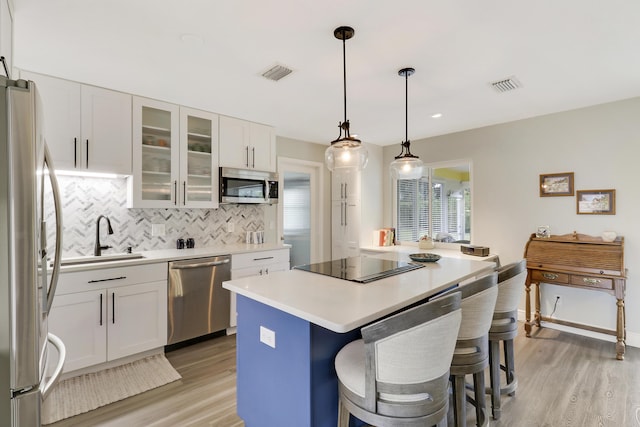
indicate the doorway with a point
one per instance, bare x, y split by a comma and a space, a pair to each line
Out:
299, 209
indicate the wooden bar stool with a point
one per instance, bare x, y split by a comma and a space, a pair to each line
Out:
504, 327
471, 355
398, 373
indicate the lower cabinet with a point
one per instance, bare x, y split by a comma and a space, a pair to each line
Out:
108, 323
255, 264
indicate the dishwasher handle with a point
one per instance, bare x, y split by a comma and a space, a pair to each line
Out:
200, 264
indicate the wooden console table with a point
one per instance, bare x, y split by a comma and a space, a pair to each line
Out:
578, 261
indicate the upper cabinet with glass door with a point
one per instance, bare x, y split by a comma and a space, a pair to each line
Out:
174, 156
198, 158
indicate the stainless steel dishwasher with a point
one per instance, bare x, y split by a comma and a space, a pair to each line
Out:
197, 303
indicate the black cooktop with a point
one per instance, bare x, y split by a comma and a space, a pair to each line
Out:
359, 269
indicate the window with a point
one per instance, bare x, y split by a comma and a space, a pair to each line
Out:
437, 205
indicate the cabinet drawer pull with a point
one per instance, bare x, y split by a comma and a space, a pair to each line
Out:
260, 259
107, 280
550, 276
591, 281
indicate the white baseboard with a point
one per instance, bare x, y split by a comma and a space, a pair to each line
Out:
633, 339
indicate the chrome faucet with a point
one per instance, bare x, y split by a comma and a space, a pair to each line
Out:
97, 251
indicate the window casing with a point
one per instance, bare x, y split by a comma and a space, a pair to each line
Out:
437, 205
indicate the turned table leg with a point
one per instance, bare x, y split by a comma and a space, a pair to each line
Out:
527, 308
620, 331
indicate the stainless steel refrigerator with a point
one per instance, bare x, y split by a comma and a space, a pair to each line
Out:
27, 282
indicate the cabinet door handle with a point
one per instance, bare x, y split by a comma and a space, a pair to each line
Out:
247, 150
253, 157
346, 192
175, 192
591, 281
87, 155
100, 309
107, 280
113, 307
345, 214
550, 276
184, 193
75, 152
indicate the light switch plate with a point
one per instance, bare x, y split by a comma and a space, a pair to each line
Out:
157, 230
268, 337
230, 227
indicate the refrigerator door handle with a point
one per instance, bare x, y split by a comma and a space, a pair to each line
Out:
62, 355
58, 211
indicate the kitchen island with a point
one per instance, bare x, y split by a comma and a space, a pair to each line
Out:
291, 324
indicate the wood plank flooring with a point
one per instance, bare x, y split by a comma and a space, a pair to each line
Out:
564, 380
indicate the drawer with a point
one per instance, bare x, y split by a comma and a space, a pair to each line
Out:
80, 281
592, 282
549, 277
256, 259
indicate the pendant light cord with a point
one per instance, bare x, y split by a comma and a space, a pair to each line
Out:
406, 107
344, 74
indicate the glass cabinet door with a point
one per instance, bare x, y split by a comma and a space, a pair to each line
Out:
156, 147
199, 158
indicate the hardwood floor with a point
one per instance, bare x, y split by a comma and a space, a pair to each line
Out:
564, 380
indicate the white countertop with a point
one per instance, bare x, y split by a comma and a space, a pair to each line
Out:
341, 305
165, 255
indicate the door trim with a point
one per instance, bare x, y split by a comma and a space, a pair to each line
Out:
316, 172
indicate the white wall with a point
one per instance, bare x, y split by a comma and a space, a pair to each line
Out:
600, 144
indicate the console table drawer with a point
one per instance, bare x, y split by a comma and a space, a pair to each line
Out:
549, 277
592, 282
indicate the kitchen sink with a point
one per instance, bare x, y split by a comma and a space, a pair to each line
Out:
102, 258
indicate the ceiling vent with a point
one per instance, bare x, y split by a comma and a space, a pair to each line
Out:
276, 72
506, 85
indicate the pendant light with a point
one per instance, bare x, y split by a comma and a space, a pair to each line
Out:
347, 151
406, 165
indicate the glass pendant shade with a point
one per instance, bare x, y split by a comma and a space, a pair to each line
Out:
406, 165
346, 152
407, 168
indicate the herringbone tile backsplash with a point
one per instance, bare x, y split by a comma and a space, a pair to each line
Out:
84, 199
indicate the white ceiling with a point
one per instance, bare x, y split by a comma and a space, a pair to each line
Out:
567, 54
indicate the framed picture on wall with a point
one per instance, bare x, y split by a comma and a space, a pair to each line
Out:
556, 184
596, 202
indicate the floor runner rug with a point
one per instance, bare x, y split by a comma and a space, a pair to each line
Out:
84, 393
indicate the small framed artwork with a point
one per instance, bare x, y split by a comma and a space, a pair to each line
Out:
543, 232
596, 202
556, 184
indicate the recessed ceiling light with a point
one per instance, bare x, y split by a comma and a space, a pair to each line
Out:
191, 39
436, 115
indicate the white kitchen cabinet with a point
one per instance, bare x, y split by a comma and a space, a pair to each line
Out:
247, 145
345, 214
100, 324
175, 161
256, 264
88, 129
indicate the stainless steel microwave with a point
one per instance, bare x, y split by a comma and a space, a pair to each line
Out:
248, 186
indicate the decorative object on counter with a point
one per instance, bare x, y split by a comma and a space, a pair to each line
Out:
543, 231
348, 151
474, 250
424, 257
609, 236
556, 184
180, 244
426, 242
384, 237
596, 202
255, 237
406, 165
191, 243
